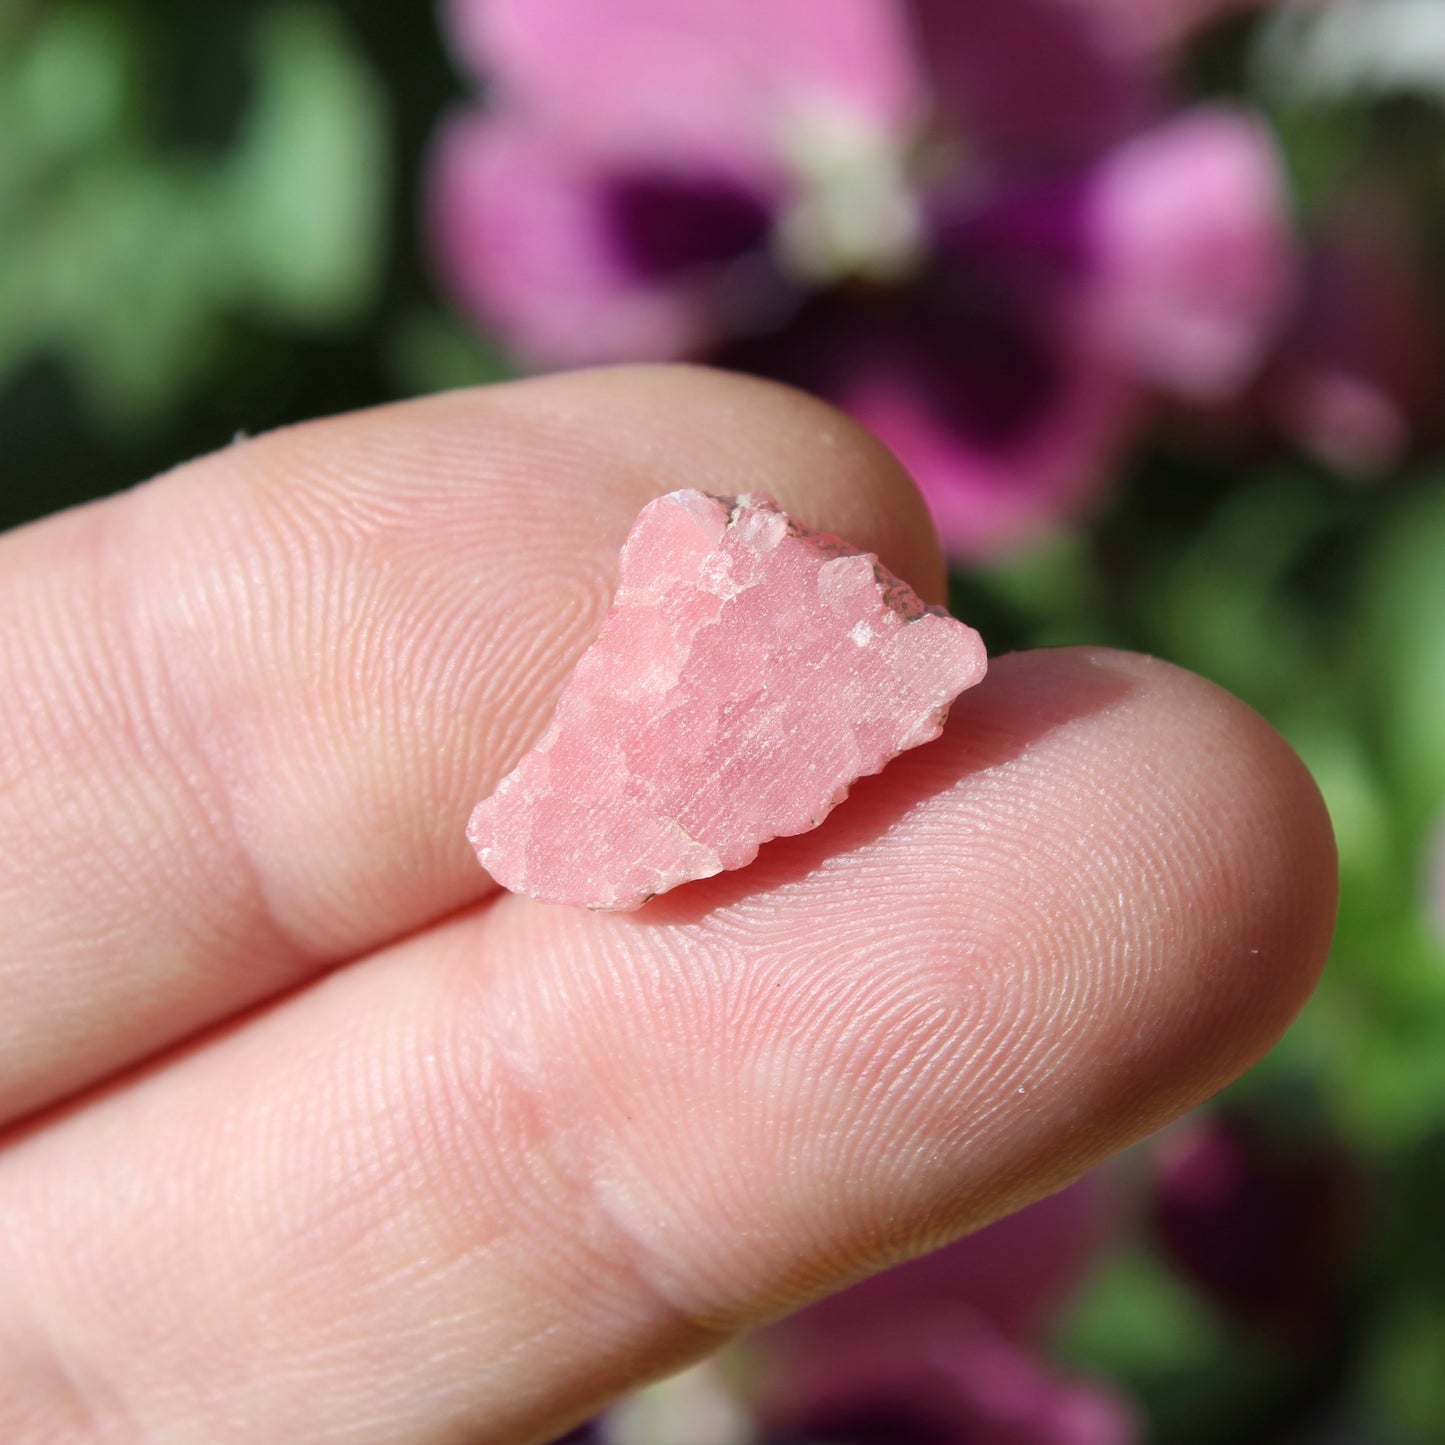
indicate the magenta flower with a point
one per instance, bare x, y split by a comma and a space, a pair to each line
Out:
1356, 377
976, 224
943, 1351
1261, 1224
945, 1378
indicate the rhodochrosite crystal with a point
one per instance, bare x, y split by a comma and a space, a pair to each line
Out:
747, 673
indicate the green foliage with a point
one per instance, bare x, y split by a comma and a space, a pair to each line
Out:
1402, 1372
1136, 1320
126, 255
301, 196
1404, 634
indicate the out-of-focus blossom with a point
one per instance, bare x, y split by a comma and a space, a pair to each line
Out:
623, 196
940, 1351
1261, 1224
723, 72
943, 1350
1017, 1273
942, 1377
1176, 296
1357, 379
977, 224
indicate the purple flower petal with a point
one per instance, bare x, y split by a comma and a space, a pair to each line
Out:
938, 1377
933, 1352
620, 202
1030, 80
573, 262
1260, 1223
699, 74
1017, 1273
1357, 377
667, 223
1192, 258
1007, 428
1033, 233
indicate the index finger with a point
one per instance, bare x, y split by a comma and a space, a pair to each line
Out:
250, 705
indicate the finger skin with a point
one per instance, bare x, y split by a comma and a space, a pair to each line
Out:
471, 1187
249, 706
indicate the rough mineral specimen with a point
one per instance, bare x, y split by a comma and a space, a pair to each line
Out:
747, 673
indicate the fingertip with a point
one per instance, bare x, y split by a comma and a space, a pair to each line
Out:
1098, 898
1189, 870
1255, 835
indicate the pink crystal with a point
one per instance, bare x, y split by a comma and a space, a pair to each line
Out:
747, 673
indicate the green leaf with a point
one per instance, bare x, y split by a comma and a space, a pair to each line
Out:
128, 258
125, 270
1142, 1325
1053, 589
1404, 1370
1353, 791
1137, 1318
1404, 633
1224, 607
67, 84
303, 198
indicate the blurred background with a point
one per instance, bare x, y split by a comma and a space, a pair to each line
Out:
1150, 296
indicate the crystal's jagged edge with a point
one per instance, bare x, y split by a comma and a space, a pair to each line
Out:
896, 593
748, 672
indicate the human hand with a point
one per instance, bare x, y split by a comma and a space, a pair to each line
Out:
314, 1135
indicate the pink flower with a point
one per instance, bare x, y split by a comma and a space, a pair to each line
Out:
943, 1378
1188, 262
944, 1349
1357, 374
621, 199
1261, 1223
940, 1351
1017, 1274
974, 223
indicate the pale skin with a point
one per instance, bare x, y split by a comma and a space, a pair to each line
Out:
313, 1135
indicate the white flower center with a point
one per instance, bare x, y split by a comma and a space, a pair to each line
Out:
855, 213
